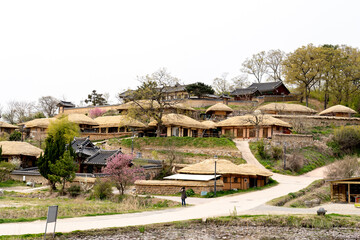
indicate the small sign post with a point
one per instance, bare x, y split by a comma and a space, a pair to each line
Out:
51, 217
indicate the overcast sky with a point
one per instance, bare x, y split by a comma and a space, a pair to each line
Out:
68, 48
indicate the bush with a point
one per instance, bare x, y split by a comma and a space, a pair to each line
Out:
15, 136
210, 195
276, 152
294, 162
347, 138
102, 189
190, 192
229, 136
261, 150
346, 168
5, 169
74, 190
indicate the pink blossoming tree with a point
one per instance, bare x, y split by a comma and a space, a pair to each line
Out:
96, 112
121, 173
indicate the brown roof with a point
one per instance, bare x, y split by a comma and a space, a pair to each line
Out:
118, 121
173, 119
7, 125
219, 107
286, 107
337, 109
245, 120
209, 124
222, 167
79, 118
254, 169
13, 148
39, 122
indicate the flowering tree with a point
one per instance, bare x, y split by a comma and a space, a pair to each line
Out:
96, 112
121, 172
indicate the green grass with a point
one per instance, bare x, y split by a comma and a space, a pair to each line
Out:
180, 142
11, 183
25, 205
314, 159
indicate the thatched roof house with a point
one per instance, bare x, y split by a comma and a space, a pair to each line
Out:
234, 176
24, 151
285, 108
81, 119
7, 128
338, 111
41, 123
148, 104
180, 125
209, 124
245, 126
219, 110
118, 123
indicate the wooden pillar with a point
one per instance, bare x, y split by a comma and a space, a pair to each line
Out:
107, 130
261, 130
247, 132
168, 133
331, 192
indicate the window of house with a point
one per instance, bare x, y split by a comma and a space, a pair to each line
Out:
225, 180
236, 180
103, 130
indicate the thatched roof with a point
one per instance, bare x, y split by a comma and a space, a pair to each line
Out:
173, 119
285, 107
118, 121
209, 124
13, 148
39, 123
79, 118
219, 107
222, 167
254, 169
248, 120
7, 125
152, 104
337, 109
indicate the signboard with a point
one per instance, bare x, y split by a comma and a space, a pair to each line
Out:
51, 217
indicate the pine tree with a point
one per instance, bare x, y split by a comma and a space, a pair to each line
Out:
63, 170
60, 132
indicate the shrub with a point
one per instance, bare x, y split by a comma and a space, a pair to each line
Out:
210, 195
276, 152
347, 138
190, 192
261, 150
346, 168
5, 169
102, 189
74, 190
294, 162
15, 136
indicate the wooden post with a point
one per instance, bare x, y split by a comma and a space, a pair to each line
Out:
331, 192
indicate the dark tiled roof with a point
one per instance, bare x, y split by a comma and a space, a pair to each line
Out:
176, 88
84, 146
100, 157
265, 87
244, 91
65, 104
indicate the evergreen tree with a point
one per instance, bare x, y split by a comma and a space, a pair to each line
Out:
59, 133
199, 89
63, 170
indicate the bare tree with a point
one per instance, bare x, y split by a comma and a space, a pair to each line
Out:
18, 111
346, 168
221, 85
149, 98
256, 118
48, 105
256, 66
240, 81
273, 60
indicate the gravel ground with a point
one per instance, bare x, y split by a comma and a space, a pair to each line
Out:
233, 232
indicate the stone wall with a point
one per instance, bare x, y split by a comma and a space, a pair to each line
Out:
293, 140
318, 121
103, 136
167, 187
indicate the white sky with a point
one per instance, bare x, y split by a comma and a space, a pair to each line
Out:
68, 48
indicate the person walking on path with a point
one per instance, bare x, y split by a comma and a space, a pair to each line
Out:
183, 196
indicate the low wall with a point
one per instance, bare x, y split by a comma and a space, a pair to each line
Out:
167, 187
318, 121
293, 140
103, 136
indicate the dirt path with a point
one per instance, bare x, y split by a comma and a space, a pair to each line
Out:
247, 155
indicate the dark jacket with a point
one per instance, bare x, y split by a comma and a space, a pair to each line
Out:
183, 194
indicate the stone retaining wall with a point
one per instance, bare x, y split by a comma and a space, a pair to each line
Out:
167, 187
318, 121
293, 140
